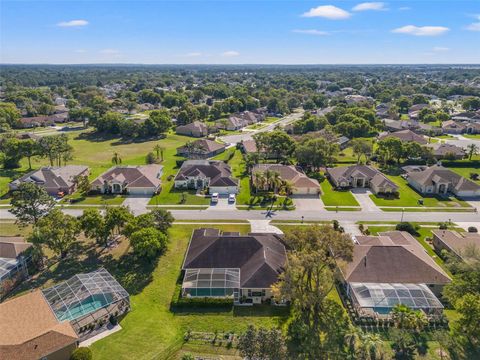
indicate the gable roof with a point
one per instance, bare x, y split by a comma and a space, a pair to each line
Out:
392, 257
442, 149
288, 173
52, 176
218, 172
33, 330
140, 176
404, 135
260, 257
202, 146
436, 173
196, 127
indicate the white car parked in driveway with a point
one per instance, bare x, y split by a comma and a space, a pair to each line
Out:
231, 198
214, 198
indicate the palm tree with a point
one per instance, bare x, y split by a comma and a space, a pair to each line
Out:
276, 181
116, 159
259, 181
159, 151
472, 150
287, 188
250, 161
370, 346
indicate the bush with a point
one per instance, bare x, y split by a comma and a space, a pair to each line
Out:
113, 320
150, 159
188, 356
472, 229
180, 302
443, 226
408, 227
474, 176
82, 353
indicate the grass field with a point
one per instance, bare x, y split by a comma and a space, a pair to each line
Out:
472, 136
96, 152
331, 197
409, 197
465, 172
151, 329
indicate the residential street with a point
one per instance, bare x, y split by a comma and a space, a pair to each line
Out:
312, 215
462, 141
233, 139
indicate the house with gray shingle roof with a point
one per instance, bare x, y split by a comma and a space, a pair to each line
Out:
455, 242
405, 136
201, 149
361, 176
139, 180
203, 174
437, 180
446, 151
54, 179
232, 265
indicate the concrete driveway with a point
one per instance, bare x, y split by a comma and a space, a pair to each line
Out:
308, 202
222, 204
263, 226
137, 203
363, 198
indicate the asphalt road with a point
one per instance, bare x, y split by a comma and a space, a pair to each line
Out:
462, 141
247, 135
311, 215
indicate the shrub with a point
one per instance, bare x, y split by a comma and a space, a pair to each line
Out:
443, 226
474, 176
113, 320
408, 227
81, 353
188, 356
150, 159
472, 229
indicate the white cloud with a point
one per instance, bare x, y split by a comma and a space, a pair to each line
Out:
73, 23
377, 6
329, 12
311, 32
474, 27
404, 8
440, 49
230, 53
194, 54
110, 51
421, 30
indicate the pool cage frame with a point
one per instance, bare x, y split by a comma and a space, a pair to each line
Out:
13, 269
69, 299
372, 297
212, 282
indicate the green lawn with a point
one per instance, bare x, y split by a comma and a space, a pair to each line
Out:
99, 199
409, 197
92, 150
331, 197
151, 330
466, 171
472, 136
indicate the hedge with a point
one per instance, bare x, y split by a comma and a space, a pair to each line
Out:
461, 163
202, 302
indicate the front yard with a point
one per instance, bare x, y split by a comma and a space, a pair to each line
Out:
331, 197
408, 197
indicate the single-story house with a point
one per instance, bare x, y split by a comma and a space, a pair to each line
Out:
302, 184
453, 127
386, 264
194, 129
49, 324
440, 181
473, 128
249, 146
36, 121
54, 179
405, 136
361, 176
242, 267
13, 262
240, 120
133, 179
446, 151
203, 174
31, 331
201, 149
455, 242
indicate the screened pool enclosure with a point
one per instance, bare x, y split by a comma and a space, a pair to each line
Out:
369, 298
211, 282
86, 298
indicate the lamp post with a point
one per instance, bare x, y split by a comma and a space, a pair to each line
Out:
302, 219
403, 210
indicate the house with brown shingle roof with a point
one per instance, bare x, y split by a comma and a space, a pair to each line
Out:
134, 179
31, 331
202, 174
194, 129
437, 180
453, 127
455, 242
361, 176
405, 136
201, 149
446, 151
13, 262
232, 265
302, 184
54, 179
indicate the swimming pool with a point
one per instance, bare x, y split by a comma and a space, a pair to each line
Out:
85, 307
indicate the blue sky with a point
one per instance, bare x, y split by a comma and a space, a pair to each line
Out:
239, 32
